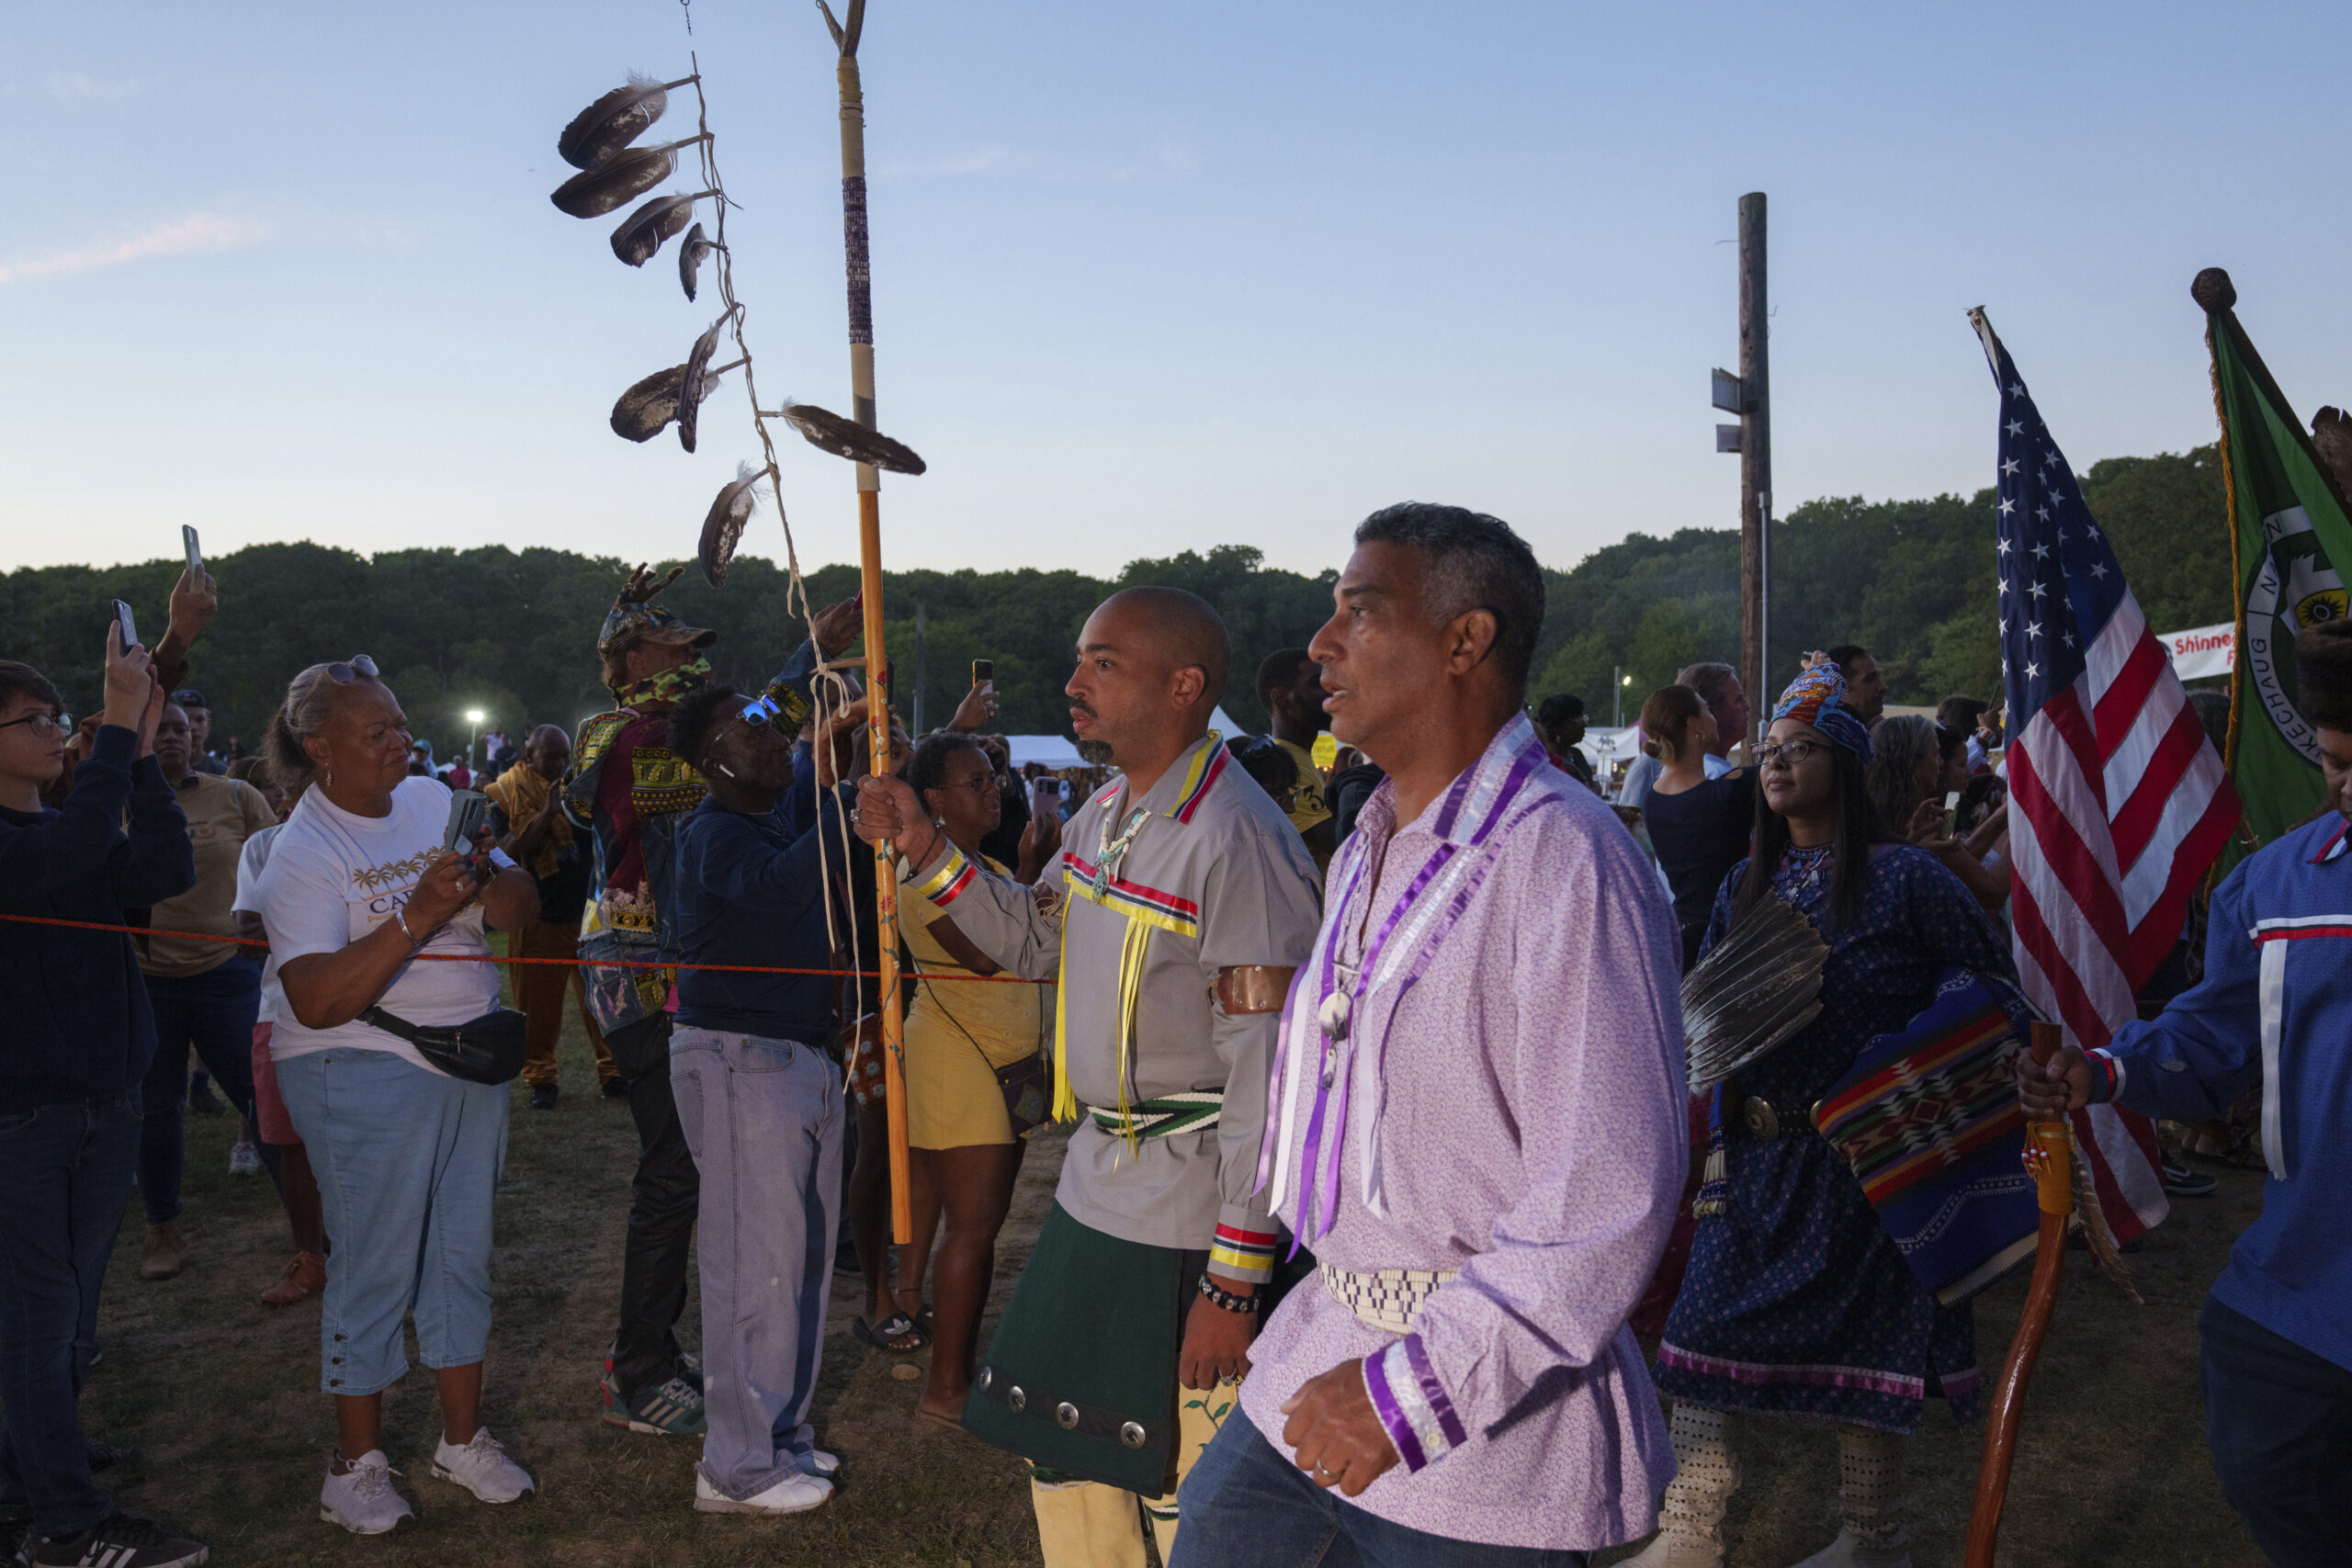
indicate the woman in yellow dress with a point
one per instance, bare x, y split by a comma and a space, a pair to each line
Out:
963, 1153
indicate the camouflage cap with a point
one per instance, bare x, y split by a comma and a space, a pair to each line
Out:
628, 624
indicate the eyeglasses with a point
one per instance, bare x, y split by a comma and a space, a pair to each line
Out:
1793, 752
984, 785
359, 667
44, 725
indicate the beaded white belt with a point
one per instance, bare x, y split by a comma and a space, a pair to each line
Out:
1386, 1299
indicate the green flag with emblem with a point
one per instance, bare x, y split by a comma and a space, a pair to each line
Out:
2291, 535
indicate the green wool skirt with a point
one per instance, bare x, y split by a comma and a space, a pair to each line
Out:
1081, 1378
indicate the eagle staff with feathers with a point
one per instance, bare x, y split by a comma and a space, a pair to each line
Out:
600, 141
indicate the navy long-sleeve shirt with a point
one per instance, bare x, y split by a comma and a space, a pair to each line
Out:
78, 1025
750, 890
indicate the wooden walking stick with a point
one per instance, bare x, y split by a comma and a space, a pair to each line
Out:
869, 550
2050, 1156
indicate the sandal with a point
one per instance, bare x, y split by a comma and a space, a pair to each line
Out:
923, 1322
886, 1335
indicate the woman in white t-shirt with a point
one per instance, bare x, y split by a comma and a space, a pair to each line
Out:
358, 883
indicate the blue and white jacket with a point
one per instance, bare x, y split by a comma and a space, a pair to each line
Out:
2277, 995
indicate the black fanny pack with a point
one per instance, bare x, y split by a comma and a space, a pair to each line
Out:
488, 1049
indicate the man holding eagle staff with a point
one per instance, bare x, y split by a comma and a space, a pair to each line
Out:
1478, 1117
1174, 916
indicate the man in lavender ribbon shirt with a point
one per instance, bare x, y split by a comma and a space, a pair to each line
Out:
1477, 1123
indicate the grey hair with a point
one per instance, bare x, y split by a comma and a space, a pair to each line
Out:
1710, 681
301, 715
1897, 748
1475, 563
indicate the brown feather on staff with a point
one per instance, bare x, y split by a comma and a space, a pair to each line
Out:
696, 386
722, 526
829, 432
641, 234
622, 178
691, 250
646, 408
615, 120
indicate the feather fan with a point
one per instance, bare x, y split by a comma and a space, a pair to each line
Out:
615, 120
642, 232
722, 530
1758, 987
696, 387
647, 406
623, 176
691, 250
829, 432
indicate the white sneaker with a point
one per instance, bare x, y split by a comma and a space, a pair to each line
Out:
363, 1501
245, 1159
483, 1467
795, 1494
818, 1464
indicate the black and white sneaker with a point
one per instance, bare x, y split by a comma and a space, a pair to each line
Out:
2181, 1181
123, 1541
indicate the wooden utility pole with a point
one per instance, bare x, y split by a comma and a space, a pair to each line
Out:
1755, 459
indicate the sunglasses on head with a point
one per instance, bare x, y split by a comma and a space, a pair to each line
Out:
359, 667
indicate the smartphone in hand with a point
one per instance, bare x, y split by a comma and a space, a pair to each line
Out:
195, 556
983, 669
469, 815
128, 628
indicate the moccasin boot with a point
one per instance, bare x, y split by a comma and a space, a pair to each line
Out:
1691, 1520
1869, 1504
162, 1254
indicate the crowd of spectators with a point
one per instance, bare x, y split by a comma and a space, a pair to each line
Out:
678, 873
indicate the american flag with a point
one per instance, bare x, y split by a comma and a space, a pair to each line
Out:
2117, 803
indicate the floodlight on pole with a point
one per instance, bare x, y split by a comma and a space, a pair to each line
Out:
473, 725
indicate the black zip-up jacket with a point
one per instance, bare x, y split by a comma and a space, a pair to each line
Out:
74, 1024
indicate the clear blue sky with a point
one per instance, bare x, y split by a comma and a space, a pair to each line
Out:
1147, 277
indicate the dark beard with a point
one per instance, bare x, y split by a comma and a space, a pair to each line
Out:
1096, 753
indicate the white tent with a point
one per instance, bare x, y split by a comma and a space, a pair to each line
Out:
1061, 752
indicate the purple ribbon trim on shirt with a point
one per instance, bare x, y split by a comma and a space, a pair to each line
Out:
1275, 1084
1392, 1418
1417, 1357
1412, 1404
1318, 1168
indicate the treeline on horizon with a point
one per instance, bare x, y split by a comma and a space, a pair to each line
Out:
513, 633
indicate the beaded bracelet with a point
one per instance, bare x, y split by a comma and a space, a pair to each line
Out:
1228, 1300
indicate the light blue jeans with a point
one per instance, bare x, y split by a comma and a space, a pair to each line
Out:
764, 1120
407, 1163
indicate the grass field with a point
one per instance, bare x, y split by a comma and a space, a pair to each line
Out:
220, 1393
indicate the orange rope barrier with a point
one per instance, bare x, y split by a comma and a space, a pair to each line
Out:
493, 958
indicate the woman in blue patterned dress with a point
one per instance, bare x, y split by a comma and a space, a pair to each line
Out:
1796, 1302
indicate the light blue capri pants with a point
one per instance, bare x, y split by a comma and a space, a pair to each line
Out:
408, 1162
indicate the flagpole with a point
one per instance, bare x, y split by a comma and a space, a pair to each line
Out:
869, 552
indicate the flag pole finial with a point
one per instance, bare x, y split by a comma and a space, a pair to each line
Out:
2214, 290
